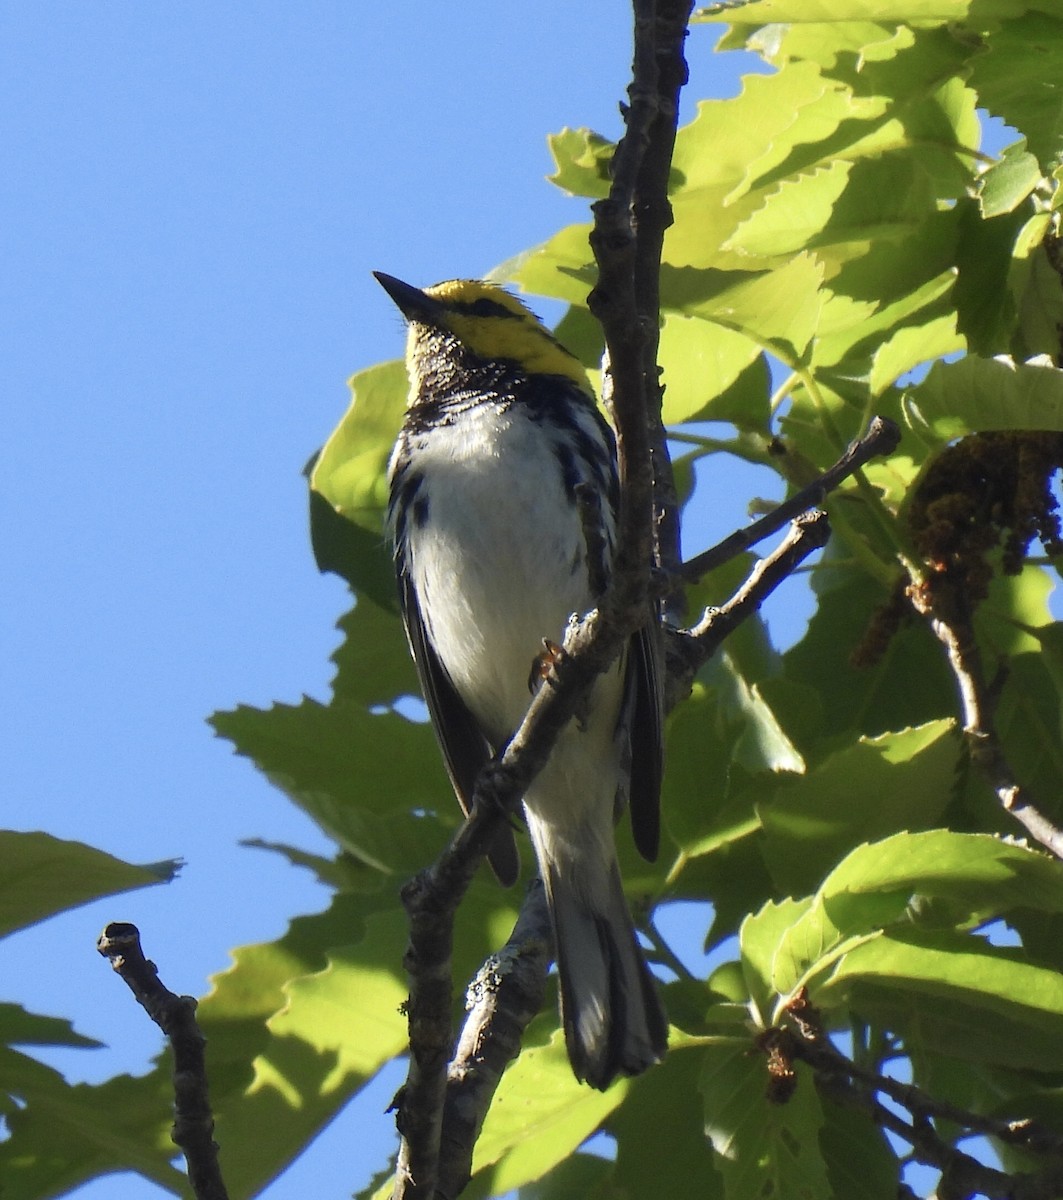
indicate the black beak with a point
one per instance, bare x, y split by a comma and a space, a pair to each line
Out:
412, 302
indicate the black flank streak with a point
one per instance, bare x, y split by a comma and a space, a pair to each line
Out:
406, 501
570, 472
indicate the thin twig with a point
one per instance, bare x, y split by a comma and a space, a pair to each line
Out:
193, 1127
688, 650
947, 607
881, 438
1025, 1133
962, 1173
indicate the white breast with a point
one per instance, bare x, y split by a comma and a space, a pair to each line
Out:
500, 562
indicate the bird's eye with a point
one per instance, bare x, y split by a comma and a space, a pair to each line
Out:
486, 307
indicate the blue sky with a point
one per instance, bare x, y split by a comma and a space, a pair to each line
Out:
192, 198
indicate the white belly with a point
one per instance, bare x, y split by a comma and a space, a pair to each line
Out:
505, 563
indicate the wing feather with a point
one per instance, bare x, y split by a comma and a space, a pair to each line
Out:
465, 749
644, 716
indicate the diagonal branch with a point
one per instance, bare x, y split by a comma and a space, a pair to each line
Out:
961, 1172
193, 1127
689, 650
503, 998
882, 438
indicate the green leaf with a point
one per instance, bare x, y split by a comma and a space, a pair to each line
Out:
794, 215
235, 1012
877, 698
759, 12
763, 1149
976, 394
582, 158
1033, 284
348, 484
763, 744
60, 1136
860, 1163
985, 306
41, 875
868, 790
759, 939
1029, 721
775, 309
1007, 183
745, 402
350, 470
344, 766
562, 267
21, 1028
335, 1021
732, 877
958, 1029
977, 875
1016, 609
700, 749
954, 995
583, 1175
721, 154
539, 1117
700, 361
677, 1160
910, 347
1018, 79
373, 665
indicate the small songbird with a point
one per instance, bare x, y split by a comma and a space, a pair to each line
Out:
501, 441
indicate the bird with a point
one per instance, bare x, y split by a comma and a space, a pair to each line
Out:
500, 439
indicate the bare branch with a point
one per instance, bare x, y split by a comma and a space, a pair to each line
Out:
193, 1127
689, 650
882, 438
962, 1175
627, 239
419, 1116
946, 605
652, 215
503, 998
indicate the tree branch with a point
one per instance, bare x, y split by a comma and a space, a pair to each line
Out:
688, 650
627, 240
882, 438
193, 1127
946, 604
962, 1175
652, 217
503, 998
